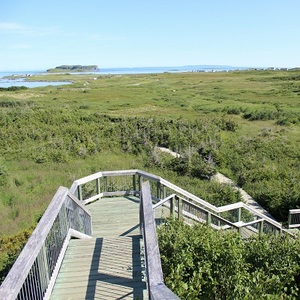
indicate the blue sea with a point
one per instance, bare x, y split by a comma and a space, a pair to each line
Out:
114, 71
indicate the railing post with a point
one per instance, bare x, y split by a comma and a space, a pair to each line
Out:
209, 218
98, 187
180, 216
261, 227
164, 192
140, 185
172, 206
158, 190
141, 211
289, 218
80, 192
134, 184
105, 184
239, 214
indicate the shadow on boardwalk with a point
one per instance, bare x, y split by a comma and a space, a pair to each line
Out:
116, 269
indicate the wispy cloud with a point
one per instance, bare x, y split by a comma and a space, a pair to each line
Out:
9, 26
103, 37
20, 46
21, 29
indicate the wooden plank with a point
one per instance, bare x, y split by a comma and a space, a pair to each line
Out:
109, 266
102, 268
115, 216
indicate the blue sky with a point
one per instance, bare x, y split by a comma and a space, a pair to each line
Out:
36, 35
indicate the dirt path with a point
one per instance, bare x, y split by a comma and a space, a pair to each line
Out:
225, 180
246, 197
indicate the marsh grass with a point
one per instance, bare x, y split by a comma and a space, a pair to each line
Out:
52, 135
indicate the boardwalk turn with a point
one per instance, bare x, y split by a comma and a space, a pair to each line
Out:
108, 266
109, 263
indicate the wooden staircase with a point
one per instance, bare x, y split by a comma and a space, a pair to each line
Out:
110, 265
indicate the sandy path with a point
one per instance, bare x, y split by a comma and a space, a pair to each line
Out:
225, 180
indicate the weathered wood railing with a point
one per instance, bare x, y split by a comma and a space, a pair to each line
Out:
294, 218
238, 216
34, 272
156, 288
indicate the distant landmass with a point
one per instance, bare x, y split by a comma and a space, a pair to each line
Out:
74, 68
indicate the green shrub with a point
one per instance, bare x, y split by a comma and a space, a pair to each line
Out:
13, 88
3, 173
261, 115
201, 263
10, 248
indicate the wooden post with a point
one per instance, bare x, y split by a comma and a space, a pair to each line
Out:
134, 184
261, 227
208, 218
158, 190
98, 186
180, 215
289, 219
141, 214
105, 184
239, 214
140, 185
80, 192
172, 207
164, 192
219, 222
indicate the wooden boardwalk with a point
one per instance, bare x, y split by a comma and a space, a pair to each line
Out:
110, 265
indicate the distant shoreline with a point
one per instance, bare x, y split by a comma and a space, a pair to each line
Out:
133, 70
144, 70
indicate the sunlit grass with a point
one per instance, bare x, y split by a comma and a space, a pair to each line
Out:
187, 96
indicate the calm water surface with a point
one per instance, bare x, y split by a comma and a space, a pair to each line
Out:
105, 71
5, 83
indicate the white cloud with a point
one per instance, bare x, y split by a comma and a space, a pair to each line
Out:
103, 37
8, 26
20, 46
21, 29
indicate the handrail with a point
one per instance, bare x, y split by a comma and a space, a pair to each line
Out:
33, 274
161, 202
237, 205
156, 287
294, 218
142, 175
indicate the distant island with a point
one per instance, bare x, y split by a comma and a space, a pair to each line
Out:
74, 68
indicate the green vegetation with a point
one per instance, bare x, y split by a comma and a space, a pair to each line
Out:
10, 247
243, 124
201, 263
13, 88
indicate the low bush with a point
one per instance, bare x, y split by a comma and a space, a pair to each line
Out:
10, 248
201, 263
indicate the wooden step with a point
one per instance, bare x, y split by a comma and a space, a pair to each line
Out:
102, 268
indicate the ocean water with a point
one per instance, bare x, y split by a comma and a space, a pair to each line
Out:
5, 83
114, 71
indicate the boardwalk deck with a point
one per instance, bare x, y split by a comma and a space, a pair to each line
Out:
108, 266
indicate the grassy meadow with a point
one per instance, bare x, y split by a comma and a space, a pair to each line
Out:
244, 124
